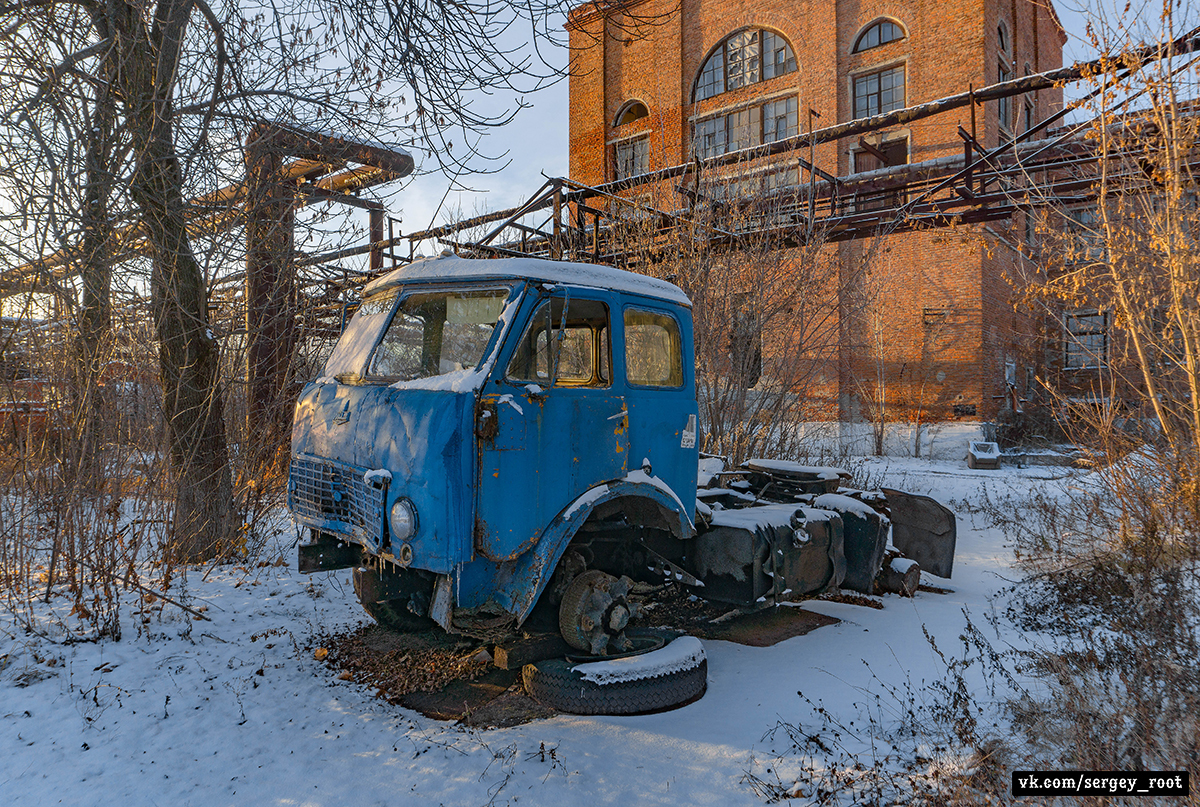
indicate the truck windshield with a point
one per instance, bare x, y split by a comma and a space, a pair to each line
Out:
435, 333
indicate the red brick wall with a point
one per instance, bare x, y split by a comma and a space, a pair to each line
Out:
940, 300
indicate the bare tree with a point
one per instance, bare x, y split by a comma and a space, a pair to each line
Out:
121, 118
1119, 276
1117, 282
766, 312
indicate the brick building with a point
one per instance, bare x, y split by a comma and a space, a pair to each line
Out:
656, 83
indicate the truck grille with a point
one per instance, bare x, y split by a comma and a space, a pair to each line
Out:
334, 496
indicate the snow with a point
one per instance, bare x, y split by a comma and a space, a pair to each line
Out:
985, 450
589, 496
465, 380
642, 477
707, 469
378, 473
752, 518
454, 269
814, 514
682, 654
902, 565
236, 710
844, 504
782, 466
508, 399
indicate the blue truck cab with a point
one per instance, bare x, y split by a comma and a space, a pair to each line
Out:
478, 418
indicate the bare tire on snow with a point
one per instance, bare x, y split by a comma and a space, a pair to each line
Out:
556, 683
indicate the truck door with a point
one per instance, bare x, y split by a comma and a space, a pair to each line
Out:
661, 395
550, 424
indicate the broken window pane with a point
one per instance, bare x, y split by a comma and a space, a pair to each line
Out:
632, 158
742, 59
1085, 339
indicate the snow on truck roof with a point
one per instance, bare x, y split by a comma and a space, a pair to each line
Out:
451, 267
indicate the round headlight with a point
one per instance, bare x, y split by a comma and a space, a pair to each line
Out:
403, 520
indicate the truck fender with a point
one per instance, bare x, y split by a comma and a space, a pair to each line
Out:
651, 505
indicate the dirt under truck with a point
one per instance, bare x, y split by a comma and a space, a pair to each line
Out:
491, 437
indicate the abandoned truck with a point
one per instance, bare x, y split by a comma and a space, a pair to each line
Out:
489, 435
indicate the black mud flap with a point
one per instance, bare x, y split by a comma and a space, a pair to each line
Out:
327, 554
923, 530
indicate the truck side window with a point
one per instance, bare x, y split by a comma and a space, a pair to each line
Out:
436, 333
653, 354
575, 344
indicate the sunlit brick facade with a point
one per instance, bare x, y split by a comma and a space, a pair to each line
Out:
658, 82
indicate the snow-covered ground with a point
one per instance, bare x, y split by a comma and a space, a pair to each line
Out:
237, 710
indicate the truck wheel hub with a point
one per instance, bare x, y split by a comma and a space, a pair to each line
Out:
594, 612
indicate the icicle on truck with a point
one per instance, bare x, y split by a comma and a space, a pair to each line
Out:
491, 433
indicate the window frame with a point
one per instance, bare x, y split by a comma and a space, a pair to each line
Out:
634, 145
859, 47
1076, 347
743, 61
893, 197
626, 108
720, 127
1004, 104
789, 61
791, 118
743, 128
746, 340
723, 130
601, 346
716, 65
677, 345
878, 72
366, 374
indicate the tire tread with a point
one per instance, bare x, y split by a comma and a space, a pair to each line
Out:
555, 683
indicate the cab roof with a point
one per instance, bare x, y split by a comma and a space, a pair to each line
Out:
450, 267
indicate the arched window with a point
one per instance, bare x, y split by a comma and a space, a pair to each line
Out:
632, 111
880, 33
1002, 37
744, 58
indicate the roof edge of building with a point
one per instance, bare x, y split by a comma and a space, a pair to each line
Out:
592, 9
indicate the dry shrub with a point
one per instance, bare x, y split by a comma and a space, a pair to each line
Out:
1112, 603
